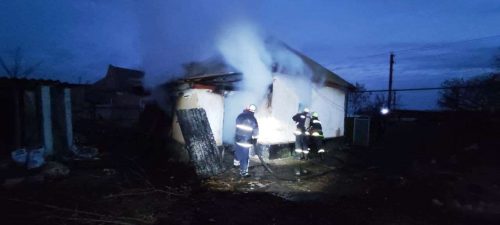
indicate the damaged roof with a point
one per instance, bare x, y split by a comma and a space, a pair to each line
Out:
215, 71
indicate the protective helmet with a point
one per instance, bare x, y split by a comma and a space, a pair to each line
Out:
315, 114
251, 108
306, 109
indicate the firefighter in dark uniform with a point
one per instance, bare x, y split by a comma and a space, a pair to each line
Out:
316, 135
302, 121
247, 131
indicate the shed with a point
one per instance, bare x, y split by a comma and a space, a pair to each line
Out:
35, 114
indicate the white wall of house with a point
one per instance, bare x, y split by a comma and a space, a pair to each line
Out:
201, 98
329, 102
276, 124
275, 121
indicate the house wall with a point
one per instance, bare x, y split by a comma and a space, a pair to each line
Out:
201, 98
275, 118
329, 103
275, 122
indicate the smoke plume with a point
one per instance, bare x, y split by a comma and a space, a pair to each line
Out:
259, 59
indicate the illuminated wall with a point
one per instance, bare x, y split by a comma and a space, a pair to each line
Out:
213, 105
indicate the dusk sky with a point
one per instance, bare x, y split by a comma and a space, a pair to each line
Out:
432, 40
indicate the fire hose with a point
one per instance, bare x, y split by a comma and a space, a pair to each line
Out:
259, 151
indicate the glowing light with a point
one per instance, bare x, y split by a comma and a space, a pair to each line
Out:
384, 111
273, 131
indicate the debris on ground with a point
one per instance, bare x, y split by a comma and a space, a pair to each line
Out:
84, 152
54, 170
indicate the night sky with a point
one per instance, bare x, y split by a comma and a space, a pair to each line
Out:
432, 40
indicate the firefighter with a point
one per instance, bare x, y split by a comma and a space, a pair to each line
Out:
302, 120
247, 131
316, 134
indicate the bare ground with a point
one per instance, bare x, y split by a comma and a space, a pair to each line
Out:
386, 184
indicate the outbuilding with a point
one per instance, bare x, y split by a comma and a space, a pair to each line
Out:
35, 114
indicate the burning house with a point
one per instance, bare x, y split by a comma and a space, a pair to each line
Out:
294, 81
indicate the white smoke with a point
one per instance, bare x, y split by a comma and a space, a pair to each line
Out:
244, 49
289, 65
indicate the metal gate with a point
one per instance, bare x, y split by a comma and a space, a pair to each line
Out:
361, 131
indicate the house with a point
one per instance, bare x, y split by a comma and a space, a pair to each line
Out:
213, 85
117, 97
35, 114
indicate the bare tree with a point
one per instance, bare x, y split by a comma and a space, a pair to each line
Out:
17, 67
358, 99
496, 62
479, 93
376, 104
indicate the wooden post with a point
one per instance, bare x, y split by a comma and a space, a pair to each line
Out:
200, 142
389, 97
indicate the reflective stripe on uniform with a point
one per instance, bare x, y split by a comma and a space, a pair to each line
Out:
244, 127
316, 134
298, 150
245, 145
297, 132
255, 137
306, 151
302, 116
236, 162
316, 121
307, 133
321, 151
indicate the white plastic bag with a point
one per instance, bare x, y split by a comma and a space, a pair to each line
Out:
35, 158
19, 156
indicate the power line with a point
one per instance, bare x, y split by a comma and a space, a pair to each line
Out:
417, 89
331, 101
430, 46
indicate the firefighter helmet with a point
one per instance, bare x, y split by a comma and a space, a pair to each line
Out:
251, 108
306, 109
315, 114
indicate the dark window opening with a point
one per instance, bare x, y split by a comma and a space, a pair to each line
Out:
269, 95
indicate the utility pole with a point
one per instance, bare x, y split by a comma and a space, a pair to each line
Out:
389, 97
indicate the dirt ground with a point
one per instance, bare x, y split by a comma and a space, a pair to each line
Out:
387, 183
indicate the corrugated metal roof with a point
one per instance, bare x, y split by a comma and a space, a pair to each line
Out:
32, 81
